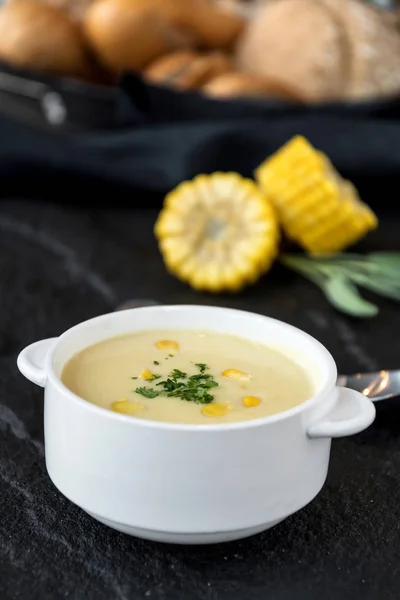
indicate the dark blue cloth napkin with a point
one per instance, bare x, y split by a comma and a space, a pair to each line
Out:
147, 139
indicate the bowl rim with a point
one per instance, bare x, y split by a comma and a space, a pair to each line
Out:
324, 391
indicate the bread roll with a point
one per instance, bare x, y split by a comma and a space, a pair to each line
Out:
168, 68
242, 85
216, 28
75, 9
40, 37
298, 42
129, 34
245, 8
187, 70
125, 35
374, 49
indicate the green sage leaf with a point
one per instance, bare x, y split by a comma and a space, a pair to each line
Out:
344, 296
386, 263
379, 285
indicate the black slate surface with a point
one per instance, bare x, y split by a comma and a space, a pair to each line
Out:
59, 266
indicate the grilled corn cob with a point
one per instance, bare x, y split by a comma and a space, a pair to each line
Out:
317, 208
217, 232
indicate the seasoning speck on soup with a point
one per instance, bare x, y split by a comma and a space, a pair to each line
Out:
180, 376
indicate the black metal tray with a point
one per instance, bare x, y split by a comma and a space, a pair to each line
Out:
60, 103
144, 139
55, 102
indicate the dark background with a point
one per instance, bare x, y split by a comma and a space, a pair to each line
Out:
62, 264
77, 208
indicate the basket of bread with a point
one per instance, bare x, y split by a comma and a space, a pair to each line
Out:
301, 51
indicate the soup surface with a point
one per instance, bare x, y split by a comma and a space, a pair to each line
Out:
187, 377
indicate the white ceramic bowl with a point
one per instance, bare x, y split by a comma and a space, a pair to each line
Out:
191, 483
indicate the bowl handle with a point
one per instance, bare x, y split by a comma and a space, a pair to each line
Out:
351, 414
31, 361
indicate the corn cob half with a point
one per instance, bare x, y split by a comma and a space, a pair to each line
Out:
317, 208
217, 232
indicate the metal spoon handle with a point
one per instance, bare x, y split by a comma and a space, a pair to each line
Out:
381, 385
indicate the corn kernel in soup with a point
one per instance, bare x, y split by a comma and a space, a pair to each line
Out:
187, 377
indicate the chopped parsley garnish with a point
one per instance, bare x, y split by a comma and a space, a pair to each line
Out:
171, 355
194, 388
177, 374
147, 392
155, 362
134, 378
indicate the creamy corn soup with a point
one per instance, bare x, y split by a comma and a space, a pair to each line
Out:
187, 377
